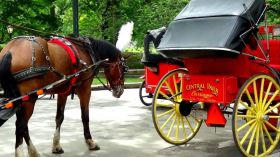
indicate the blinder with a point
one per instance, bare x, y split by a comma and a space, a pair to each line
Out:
125, 67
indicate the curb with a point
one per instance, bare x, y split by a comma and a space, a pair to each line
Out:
126, 86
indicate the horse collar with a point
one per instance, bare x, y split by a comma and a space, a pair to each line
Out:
69, 48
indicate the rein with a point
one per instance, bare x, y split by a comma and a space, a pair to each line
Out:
5, 103
105, 86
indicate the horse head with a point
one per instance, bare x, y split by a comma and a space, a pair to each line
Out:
114, 68
114, 72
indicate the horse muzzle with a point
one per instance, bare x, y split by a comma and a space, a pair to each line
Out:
118, 91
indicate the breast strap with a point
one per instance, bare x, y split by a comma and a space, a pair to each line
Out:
74, 57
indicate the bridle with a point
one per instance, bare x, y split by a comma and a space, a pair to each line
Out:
122, 68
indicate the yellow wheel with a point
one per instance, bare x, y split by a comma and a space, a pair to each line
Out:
172, 115
256, 116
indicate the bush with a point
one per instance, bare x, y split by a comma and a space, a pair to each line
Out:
134, 61
2, 46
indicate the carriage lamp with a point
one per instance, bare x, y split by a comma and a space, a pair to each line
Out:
10, 30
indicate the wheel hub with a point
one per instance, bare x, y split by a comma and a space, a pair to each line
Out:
260, 116
184, 107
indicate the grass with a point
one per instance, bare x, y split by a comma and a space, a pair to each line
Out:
127, 80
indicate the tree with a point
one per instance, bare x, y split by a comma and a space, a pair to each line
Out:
35, 14
274, 14
97, 18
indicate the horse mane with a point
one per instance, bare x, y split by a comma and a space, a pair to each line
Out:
104, 49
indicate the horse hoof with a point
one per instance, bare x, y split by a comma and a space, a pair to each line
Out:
95, 148
57, 151
92, 145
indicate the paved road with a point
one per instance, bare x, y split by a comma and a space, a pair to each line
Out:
122, 127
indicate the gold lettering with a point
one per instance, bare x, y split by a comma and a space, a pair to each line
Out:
198, 87
213, 89
204, 95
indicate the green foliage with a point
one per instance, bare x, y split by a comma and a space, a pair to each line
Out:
2, 46
134, 61
103, 19
97, 18
274, 14
35, 14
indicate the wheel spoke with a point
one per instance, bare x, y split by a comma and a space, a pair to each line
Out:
165, 105
272, 108
267, 93
169, 88
256, 94
189, 124
165, 96
247, 134
250, 98
271, 126
271, 99
273, 117
257, 140
177, 129
183, 127
175, 84
261, 94
247, 107
262, 138
246, 124
252, 138
246, 116
171, 127
167, 121
165, 113
267, 134
181, 85
198, 121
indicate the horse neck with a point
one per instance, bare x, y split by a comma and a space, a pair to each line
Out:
104, 50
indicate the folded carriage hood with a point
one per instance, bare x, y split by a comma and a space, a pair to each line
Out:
210, 27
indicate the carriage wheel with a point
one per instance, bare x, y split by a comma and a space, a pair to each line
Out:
172, 115
145, 98
256, 116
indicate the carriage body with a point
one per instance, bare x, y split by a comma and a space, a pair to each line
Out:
152, 78
230, 66
222, 78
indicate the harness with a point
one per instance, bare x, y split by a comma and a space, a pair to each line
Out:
33, 71
71, 50
74, 57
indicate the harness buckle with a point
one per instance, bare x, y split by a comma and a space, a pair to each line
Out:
31, 38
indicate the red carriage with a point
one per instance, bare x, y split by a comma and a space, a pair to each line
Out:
231, 65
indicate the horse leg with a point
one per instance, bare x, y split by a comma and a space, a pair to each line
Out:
84, 92
23, 116
61, 101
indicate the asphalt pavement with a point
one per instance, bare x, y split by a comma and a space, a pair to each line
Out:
122, 128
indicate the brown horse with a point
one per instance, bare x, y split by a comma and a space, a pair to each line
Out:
30, 63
